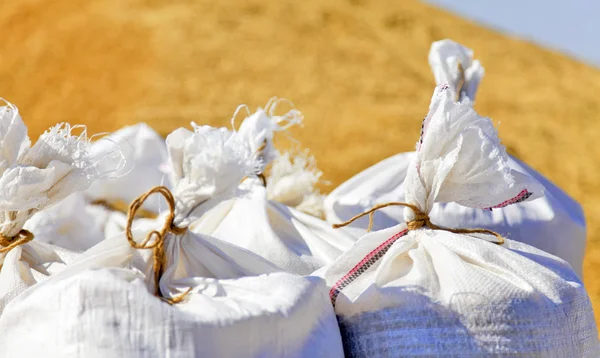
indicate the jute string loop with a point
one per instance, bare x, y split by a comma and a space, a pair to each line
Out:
421, 220
158, 245
9, 243
122, 206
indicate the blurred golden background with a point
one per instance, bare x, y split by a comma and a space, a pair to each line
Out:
357, 69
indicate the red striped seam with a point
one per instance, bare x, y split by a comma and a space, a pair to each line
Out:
344, 281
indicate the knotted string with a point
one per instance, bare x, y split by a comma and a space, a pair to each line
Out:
121, 206
421, 219
158, 245
9, 243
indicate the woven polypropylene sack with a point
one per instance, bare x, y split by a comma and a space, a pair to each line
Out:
424, 291
232, 302
110, 313
554, 223
254, 218
34, 178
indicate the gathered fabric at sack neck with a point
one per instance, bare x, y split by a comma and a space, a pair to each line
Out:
40, 175
421, 220
207, 165
459, 159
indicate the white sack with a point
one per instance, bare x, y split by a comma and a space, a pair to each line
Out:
112, 312
400, 292
104, 313
554, 223
145, 152
258, 129
292, 240
71, 224
33, 178
292, 178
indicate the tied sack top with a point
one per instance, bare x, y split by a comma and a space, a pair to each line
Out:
277, 231
33, 178
554, 223
218, 292
418, 290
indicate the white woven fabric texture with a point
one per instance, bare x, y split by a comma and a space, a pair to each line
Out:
398, 291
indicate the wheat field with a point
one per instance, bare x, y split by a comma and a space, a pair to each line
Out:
357, 69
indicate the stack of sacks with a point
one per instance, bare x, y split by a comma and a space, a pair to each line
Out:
420, 289
291, 233
554, 223
212, 243
219, 307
